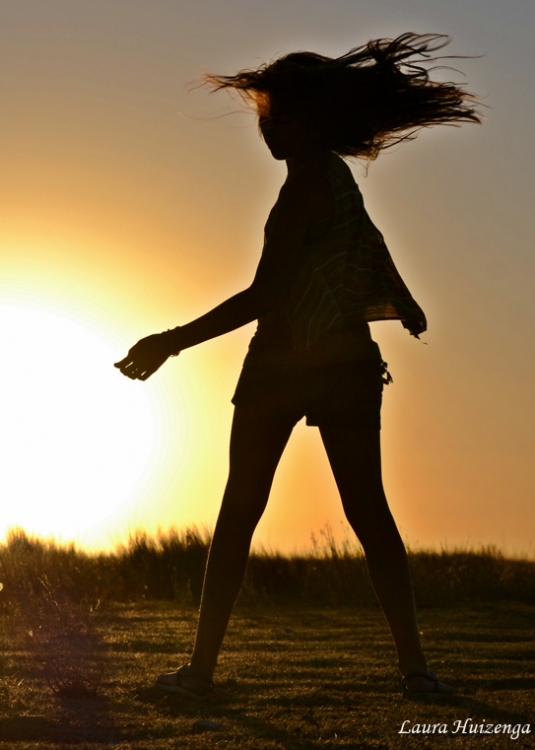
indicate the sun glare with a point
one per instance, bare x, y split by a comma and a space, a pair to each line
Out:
75, 442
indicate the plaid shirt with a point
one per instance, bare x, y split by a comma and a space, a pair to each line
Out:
348, 275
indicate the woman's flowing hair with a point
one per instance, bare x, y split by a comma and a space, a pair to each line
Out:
369, 99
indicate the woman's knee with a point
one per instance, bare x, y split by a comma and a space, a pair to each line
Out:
366, 506
241, 509
374, 526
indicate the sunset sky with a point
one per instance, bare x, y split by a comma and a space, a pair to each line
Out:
132, 200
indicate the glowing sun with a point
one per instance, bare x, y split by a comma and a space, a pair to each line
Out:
74, 441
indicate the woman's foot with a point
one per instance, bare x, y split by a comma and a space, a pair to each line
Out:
185, 682
420, 681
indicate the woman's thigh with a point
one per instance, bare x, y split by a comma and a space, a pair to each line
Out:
256, 446
355, 458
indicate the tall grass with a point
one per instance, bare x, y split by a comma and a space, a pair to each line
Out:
42, 584
170, 567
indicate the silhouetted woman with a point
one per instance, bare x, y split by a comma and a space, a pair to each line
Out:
324, 273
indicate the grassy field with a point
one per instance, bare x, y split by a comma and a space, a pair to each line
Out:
308, 661
297, 677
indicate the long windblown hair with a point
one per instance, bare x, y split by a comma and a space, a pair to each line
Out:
369, 99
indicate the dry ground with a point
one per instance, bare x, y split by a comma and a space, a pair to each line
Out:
297, 677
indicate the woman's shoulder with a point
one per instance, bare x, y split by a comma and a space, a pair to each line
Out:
339, 169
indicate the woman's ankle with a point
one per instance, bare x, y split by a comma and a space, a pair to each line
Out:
199, 668
406, 666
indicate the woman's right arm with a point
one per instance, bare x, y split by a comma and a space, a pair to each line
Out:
301, 202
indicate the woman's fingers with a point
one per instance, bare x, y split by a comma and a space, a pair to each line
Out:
128, 367
144, 358
140, 368
146, 374
123, 363
130, 372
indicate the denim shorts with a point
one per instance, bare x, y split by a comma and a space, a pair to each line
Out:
339, 393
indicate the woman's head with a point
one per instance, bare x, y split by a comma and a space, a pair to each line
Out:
289, 135
362, 102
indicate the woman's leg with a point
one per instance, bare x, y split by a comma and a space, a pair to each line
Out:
256, 446
355, 458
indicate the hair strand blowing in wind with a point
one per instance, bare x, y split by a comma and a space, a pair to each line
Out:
369, 99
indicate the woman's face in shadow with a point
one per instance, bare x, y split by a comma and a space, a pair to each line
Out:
287, 135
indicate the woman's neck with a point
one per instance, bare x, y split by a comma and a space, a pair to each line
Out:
307, 160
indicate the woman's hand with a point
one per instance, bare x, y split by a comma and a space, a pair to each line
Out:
147, 356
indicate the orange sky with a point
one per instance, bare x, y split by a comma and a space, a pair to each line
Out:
130, 203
